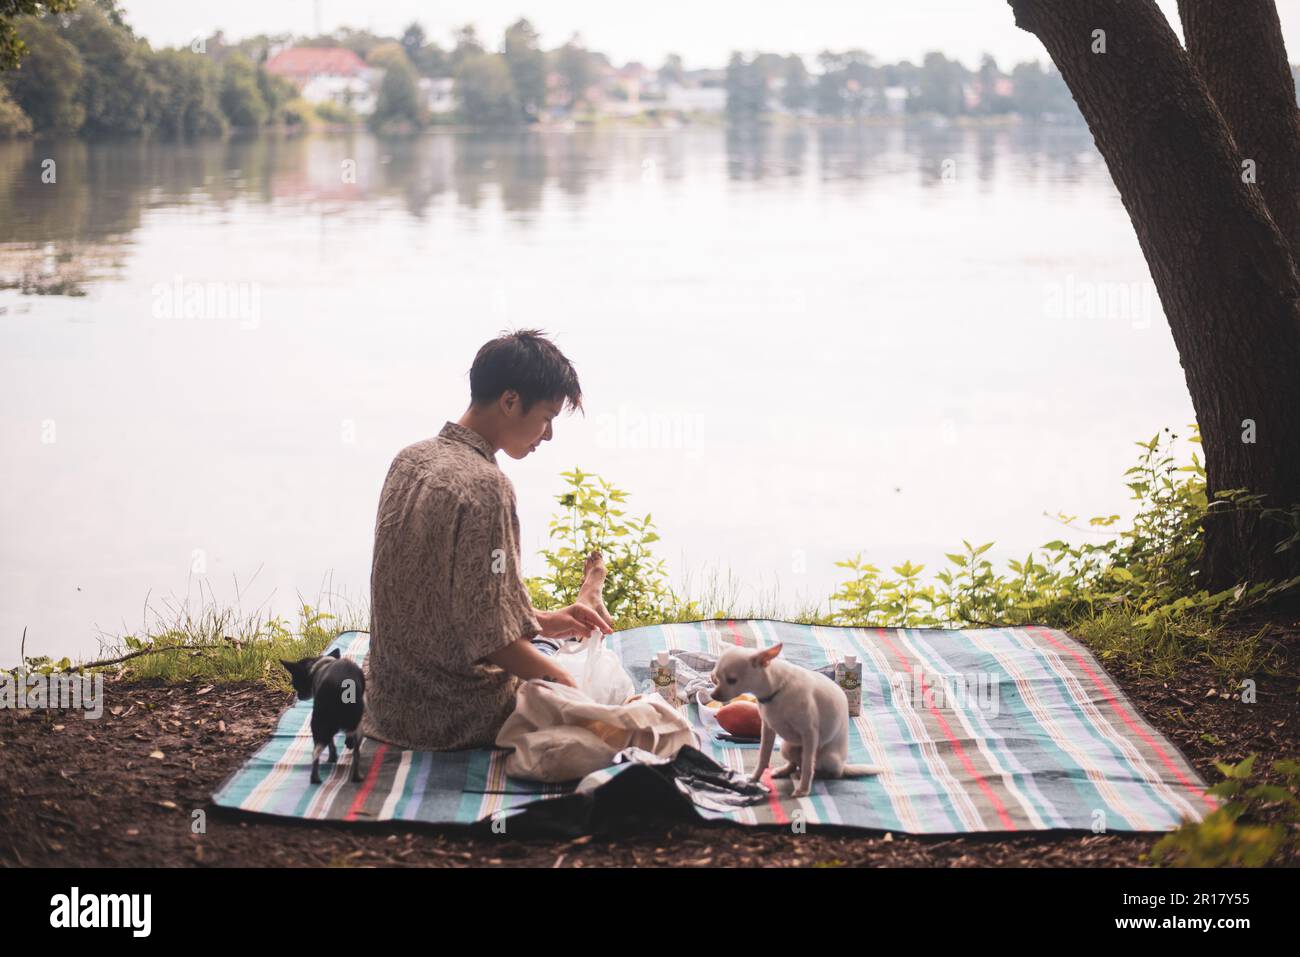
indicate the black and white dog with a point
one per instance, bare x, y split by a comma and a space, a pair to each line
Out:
336, 687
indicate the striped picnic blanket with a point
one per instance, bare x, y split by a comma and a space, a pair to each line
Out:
1001, 729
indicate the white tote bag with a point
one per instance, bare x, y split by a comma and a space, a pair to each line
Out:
559, 733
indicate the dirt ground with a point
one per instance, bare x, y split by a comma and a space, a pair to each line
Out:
120, 791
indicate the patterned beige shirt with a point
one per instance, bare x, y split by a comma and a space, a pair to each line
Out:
445, 591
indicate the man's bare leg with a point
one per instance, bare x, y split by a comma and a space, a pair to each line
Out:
593, 585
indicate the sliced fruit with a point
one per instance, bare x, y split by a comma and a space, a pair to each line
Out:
741, 718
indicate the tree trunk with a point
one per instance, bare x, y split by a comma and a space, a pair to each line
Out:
1225, 275
1238, 51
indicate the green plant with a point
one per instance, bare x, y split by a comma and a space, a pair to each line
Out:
1133, 597
873, 600
1224, 838
299, 112
1147, 572
635, 583
330, 112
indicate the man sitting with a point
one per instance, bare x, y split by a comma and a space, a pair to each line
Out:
453, 630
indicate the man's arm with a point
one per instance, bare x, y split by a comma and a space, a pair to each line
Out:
523, 660
573, 621
489, 603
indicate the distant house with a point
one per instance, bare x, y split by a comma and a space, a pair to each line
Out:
634, 89
633, 77
701, 91
895, 100
329, 74
617, 90
438, 93
976, 95
776, 98
557, 94
695, 99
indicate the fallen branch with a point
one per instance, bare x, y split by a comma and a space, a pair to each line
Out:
144, 651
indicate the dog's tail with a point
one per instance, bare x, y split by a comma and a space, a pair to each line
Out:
860, 770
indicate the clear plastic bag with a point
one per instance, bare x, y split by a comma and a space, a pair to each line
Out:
597, 671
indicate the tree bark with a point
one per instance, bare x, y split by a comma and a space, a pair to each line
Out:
1237, 49
1224, 272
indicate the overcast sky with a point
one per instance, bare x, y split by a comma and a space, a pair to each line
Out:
704, 32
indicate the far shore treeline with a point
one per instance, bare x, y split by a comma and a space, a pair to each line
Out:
76, 67
82, 70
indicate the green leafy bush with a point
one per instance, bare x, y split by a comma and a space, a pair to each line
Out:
1225, 838
1147, 572
330, 112
13, 121
298, 113
635, 583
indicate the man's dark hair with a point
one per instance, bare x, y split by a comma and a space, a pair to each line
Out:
527, 362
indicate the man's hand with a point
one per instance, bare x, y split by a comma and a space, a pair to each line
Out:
522, 659
575, 621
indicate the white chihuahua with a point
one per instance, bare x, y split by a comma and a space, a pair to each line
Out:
807, 709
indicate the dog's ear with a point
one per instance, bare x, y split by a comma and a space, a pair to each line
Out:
334, 653
287, 664
763, 658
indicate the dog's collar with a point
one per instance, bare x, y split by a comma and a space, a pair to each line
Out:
769, 697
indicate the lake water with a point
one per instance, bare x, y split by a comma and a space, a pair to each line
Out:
793, 347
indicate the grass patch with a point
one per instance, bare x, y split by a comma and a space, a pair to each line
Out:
215, 643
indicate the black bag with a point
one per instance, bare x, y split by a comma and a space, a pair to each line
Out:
652, 792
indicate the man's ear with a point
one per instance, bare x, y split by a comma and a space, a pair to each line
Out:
762, 659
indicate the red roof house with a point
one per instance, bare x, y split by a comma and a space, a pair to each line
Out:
303, 64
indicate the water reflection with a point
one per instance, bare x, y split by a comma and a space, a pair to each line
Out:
56, 235
847, 326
